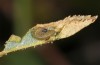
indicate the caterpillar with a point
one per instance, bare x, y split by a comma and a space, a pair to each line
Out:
43, 33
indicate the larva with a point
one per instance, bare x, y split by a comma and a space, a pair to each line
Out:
42, 33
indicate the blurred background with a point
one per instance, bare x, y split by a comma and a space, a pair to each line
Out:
17, 16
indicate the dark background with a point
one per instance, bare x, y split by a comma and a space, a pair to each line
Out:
82, 48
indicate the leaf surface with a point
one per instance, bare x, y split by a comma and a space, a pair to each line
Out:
49, 32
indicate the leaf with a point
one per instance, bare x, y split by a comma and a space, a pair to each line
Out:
49, 32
